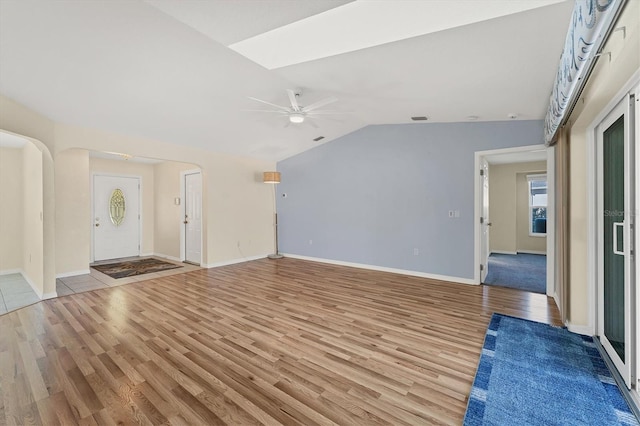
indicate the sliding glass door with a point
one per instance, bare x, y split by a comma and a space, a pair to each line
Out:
616, 204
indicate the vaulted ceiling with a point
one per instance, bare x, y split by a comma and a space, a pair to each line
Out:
183, 71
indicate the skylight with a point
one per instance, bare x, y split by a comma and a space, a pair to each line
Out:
365, 23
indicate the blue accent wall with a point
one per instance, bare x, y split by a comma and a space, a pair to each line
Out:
375, 195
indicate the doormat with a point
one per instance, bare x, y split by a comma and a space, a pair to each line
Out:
135, 267
535, 374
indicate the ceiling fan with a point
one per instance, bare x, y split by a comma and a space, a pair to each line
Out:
297, 113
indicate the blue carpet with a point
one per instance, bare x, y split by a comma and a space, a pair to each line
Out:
522, 271
535, 374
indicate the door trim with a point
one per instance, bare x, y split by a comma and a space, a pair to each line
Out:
622, 109
183, 208
485, 241
93, 213
477, 229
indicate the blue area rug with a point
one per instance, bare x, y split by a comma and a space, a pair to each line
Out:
522, 271
535, 374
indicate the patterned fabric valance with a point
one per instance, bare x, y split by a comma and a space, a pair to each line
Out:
590, 23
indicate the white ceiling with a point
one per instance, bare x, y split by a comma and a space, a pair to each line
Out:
162, 69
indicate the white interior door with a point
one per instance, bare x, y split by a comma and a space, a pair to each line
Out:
484, 220
193, 217
616, 283
116, 217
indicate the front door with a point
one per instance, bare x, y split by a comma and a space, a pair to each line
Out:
616, 284
193, 217
116, 217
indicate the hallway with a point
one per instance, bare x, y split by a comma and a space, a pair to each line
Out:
521, 271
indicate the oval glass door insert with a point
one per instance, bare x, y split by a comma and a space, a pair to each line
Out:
117, 207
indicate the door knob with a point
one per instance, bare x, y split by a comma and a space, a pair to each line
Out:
97, 224
488, 223
185, 222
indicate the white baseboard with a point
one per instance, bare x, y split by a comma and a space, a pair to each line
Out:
580, 329
11, 271
166, 256
73, 273
233, 261
532, 252
385, 269
51, 295
147, 254
503, 252
33, 285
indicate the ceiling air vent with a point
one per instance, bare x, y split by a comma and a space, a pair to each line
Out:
319, 138
423, 118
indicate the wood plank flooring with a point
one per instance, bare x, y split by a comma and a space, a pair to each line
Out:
264, 342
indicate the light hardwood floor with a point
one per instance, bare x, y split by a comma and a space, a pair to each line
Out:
269, 342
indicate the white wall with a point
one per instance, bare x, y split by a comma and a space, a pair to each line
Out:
39, 130
22, 239
32, 224
168, 215
11, 217
73, 214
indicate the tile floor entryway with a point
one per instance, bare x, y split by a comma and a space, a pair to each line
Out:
16, 293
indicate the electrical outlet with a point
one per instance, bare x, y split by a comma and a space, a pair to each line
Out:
456, 213
416, 252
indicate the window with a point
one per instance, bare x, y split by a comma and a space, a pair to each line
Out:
537, 205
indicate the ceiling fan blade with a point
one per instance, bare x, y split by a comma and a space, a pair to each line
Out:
269, 103
293, 100
327, 112
325, 118
265, 110
319, 104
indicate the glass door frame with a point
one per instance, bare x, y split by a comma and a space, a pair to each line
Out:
626, 369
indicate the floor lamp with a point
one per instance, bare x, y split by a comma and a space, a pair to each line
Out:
273, 178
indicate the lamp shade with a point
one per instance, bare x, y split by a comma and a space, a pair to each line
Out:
271, 177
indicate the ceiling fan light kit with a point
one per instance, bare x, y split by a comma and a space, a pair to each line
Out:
296, 117
297, 113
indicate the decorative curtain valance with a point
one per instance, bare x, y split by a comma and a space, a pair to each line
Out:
591, 22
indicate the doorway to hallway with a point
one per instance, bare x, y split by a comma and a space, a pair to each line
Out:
514, 228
